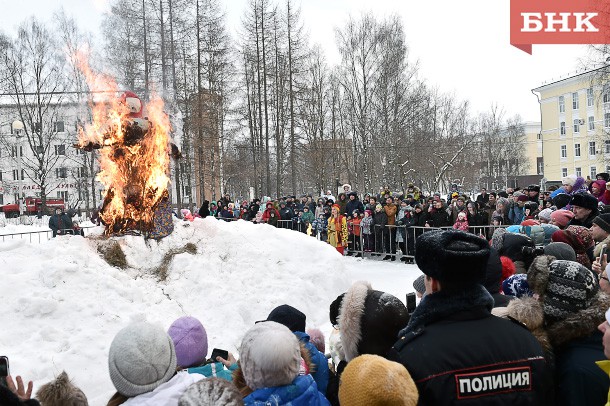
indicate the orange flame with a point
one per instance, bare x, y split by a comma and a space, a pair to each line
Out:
134, 154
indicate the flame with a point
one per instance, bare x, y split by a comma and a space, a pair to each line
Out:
134, 154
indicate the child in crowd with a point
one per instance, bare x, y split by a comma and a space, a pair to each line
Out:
462, 222
319, 227
366, 227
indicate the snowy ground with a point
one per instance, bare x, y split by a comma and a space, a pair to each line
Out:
63, 304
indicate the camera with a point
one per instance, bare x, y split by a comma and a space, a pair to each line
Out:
532, 251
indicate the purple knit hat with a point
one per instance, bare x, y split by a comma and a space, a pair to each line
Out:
190, 340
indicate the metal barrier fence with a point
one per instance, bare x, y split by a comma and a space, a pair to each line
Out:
394, 242
40, 236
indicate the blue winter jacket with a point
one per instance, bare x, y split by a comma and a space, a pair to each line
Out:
516, 214
214, 370
321, 373
301, 392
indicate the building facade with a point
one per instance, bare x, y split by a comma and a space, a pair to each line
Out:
575, 116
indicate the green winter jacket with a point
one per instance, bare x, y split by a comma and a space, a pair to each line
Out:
308, 217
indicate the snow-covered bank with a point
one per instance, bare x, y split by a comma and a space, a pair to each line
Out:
63, 303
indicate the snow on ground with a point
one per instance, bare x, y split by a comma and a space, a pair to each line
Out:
63, 304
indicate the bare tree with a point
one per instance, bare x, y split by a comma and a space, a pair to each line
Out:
33, 72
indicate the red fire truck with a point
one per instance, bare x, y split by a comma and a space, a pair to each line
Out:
32, 205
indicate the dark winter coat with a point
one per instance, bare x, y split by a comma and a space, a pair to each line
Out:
286, 213
8, 398
380, 220
204, 210
438, 218
352, 205
588, 222
459, 353
60, 222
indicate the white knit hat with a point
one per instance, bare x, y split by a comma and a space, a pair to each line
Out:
569, 180
141, 357
270, 355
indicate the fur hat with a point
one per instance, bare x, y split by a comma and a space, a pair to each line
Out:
562, 217
316, 337
211, 392
61, 392
533, 188
560, 250
584, 200
603, 221
453, 257
569, 180
269, 355
370, 380
190, 340
141, 357
516, 285
289, 317
605, 176
369, 320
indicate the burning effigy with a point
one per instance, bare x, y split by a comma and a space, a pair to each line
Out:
134, 147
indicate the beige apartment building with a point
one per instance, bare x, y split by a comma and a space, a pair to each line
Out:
575, 116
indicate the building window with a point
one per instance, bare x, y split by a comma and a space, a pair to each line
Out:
562, 104
607, 168
1, 199
606, 120
36, 127
593, 172
564, 151
82, 172
576, 125
540, 166
577, 150
0, 176
606, 147
562, 127
606, 97
58, 127
564, 172
61, 173
16, 174
591, 123
590, 97
592, 148
578, 171
14, 151
575, 101
62, 194
60, 149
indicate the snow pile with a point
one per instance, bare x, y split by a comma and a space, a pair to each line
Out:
63, 304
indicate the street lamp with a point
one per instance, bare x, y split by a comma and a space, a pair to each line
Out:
18, 128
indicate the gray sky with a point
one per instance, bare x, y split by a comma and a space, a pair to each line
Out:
462, 46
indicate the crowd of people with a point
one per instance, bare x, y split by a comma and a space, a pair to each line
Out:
389, 222
500, 322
